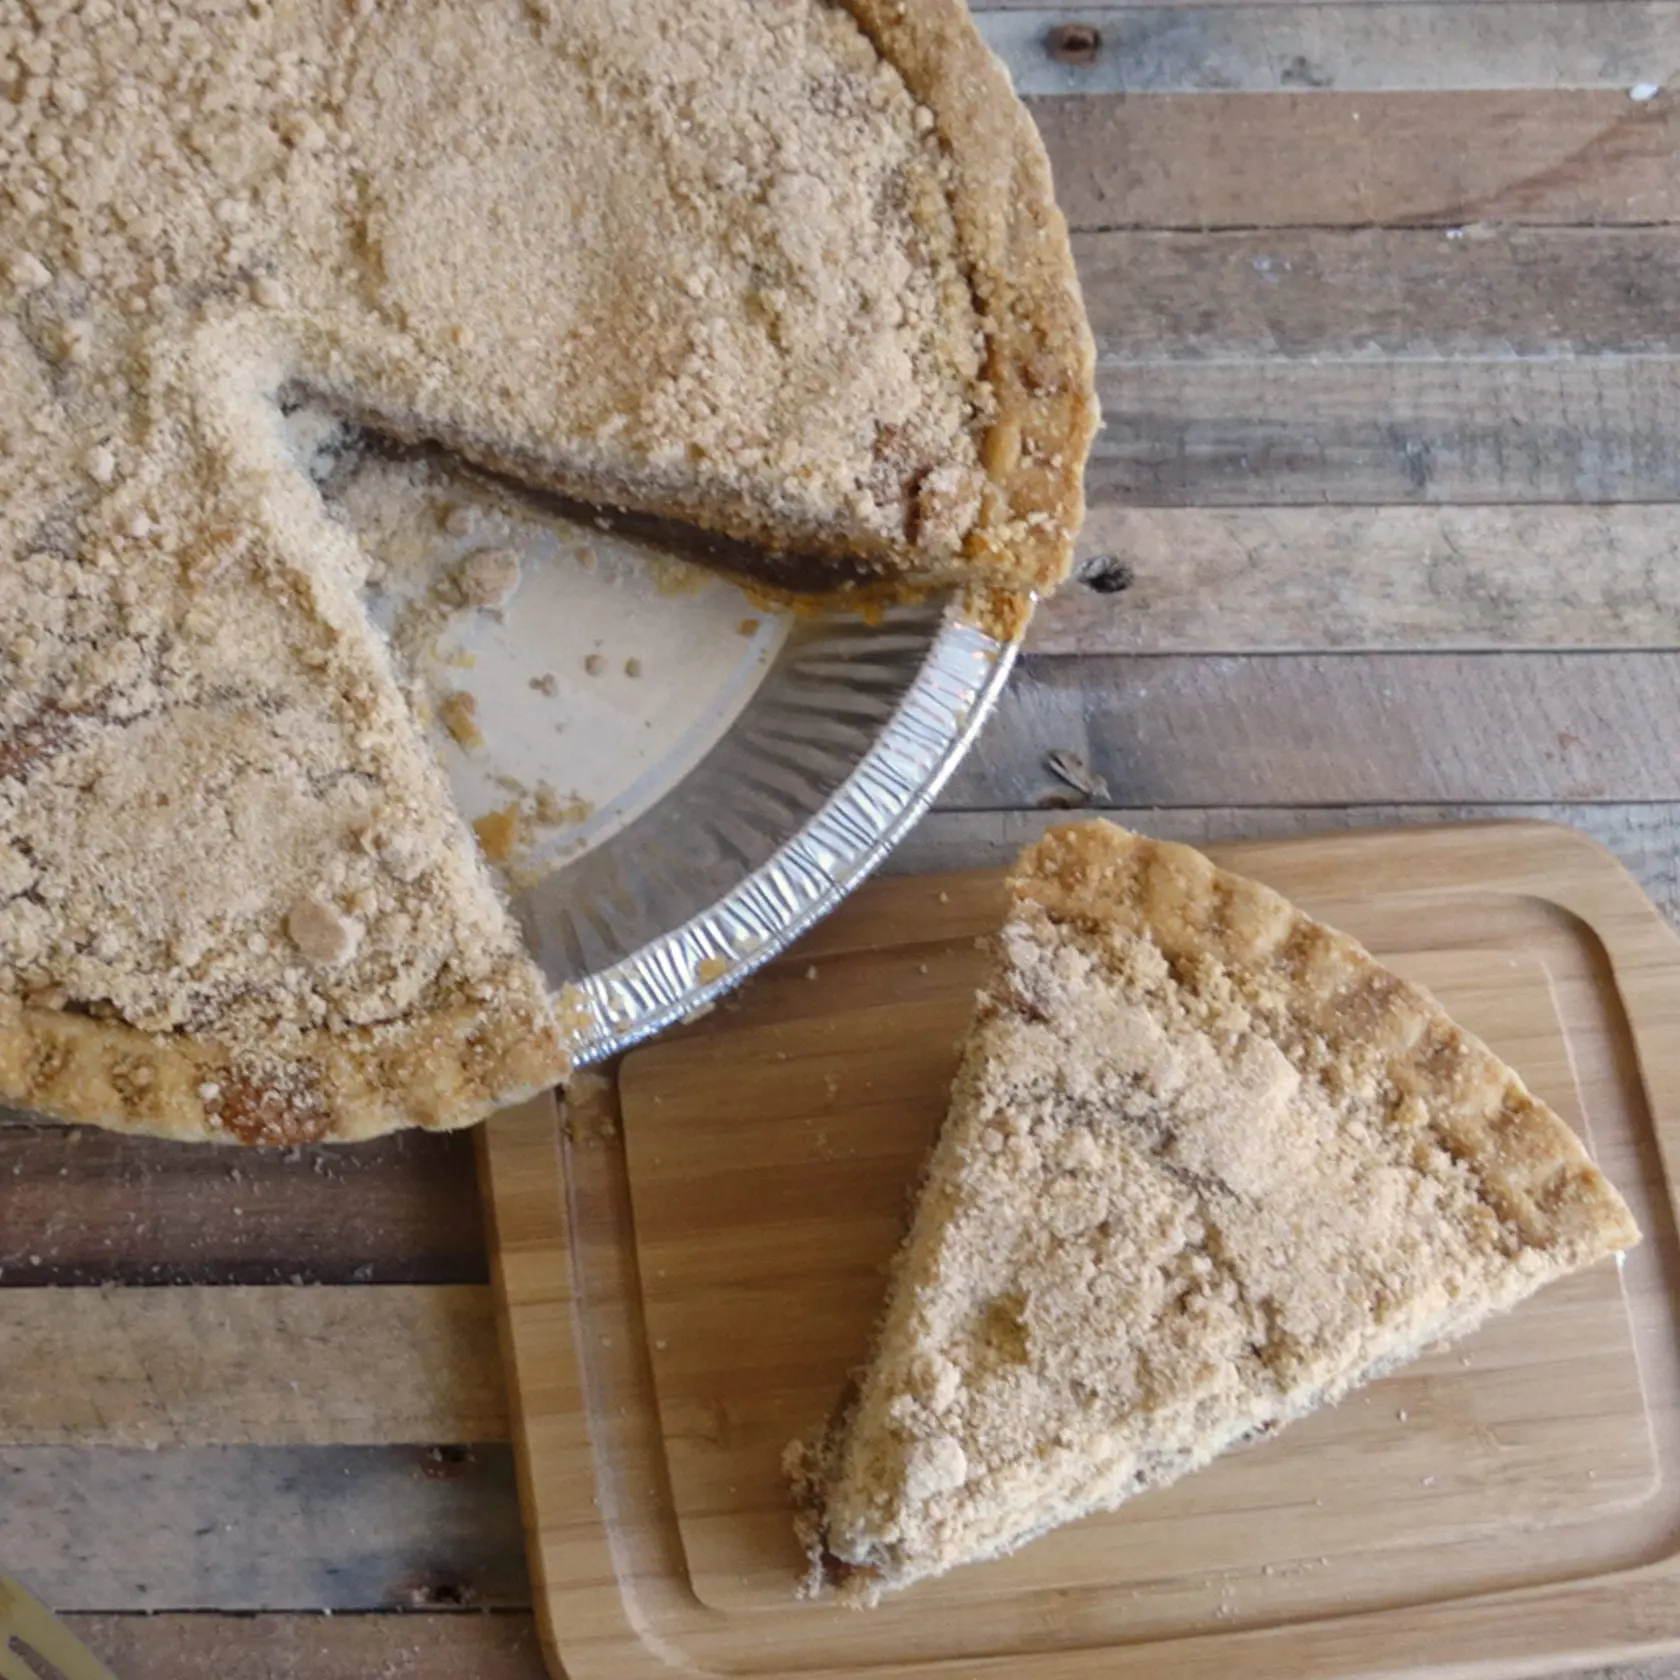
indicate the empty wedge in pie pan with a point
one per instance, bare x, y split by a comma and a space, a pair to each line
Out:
673, 778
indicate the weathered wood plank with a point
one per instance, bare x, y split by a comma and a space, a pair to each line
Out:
80, 1206
1352, 48
1362, 431
502, 1646
1645, 837
1484, 290
263, 1528
1253, 580
1202, 161
228, 1367
1377, 728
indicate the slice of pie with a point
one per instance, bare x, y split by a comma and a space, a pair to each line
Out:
786, 271
1207, 1166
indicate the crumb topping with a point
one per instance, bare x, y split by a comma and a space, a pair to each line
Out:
552, 237
488, 577
1207, 1165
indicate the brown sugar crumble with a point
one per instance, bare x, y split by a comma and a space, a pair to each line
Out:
488, 577
1207, 1166
498, 832
458, 713
777, 305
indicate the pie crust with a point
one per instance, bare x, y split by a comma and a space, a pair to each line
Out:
1208, 1165
787, 272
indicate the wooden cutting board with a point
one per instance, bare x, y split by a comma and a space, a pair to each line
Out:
690, 1259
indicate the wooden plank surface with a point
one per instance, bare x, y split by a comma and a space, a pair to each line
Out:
1360, 431
1312, 579
1324, 729
263, 1528
80, 1206
500, 1646
1381, 366
1644, 835
1201, 161
1355, 48
690, 1250
1485, 290
1339, 204
242, 1366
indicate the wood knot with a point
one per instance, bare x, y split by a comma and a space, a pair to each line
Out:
446, 1464
1107, 574
1074, 43
443, 1592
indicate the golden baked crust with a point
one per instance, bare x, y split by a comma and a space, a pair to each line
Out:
1040, 357
447, 1068
817, 302
1207, 1166
1532, 1167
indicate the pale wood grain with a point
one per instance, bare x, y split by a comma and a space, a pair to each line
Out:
1311, 579
84, 1206
262, 1528
833, 1084
609, 1610
1355, 48
1375, 728
1645, 839
1483, 290
1200, 161
1364, 430
197, 1367
502, 1646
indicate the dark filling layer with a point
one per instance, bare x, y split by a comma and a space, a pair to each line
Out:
809, 572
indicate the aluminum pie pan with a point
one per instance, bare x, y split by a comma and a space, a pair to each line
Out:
716, 774
842, 748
